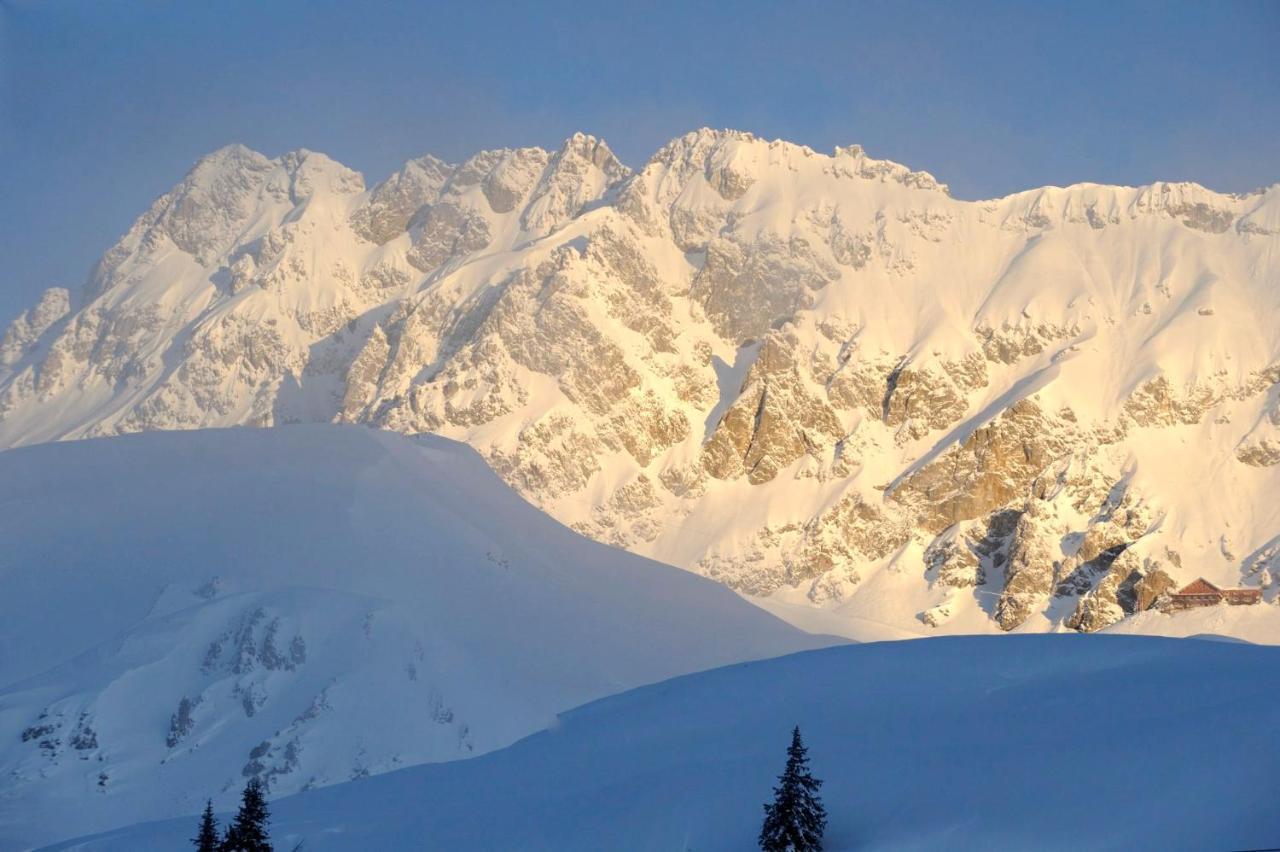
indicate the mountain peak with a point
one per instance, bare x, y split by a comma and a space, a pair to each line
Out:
595, 151
232, 153
701, 140
234, 162
742, 316
312, 172
590, 151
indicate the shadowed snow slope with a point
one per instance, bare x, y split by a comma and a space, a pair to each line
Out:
308, 604
1024, 742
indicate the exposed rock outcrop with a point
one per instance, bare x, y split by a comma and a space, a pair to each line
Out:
774, 421
993, 466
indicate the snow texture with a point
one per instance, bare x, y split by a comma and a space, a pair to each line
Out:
306, 605
1022, 742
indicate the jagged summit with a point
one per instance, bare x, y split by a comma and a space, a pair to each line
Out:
728, 158
723, 358
595, 150
720, 145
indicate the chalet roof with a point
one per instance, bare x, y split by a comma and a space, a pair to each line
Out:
1200, 586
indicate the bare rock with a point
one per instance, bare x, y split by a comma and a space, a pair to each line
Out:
747, 289
1262, 453
448, 230
1157, 404
1031, 570
774, 421
993, 466
27, 329
1147, 590
395, 201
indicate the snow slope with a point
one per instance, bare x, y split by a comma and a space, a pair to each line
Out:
309, 604
817, 378
1022, 742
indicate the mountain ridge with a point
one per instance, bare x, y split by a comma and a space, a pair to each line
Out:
801, 374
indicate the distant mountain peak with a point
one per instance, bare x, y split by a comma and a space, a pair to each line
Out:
884, 382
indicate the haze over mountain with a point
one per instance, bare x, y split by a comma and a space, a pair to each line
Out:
818, 379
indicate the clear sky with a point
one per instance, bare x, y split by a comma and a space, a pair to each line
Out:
105, 105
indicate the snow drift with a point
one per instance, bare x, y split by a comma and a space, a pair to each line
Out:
1023, 742
309, 604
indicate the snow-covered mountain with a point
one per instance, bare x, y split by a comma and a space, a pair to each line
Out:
1026, 742
308, 604
818, 379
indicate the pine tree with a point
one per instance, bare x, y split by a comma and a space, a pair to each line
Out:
206, 840
248, 831
796, 819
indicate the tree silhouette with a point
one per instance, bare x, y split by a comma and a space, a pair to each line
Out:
796, 819
206, 840
248, 831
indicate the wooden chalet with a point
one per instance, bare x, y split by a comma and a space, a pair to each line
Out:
1203, 593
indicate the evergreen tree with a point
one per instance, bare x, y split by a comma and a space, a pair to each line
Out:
248, 831
795, 820
206, 840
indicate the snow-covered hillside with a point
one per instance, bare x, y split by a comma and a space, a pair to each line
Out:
309, 604
816, 378
1026, 742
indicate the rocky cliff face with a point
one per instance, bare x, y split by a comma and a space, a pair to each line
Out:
814, 377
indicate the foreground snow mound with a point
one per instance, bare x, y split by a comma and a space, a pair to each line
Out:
1026, 742
309, 604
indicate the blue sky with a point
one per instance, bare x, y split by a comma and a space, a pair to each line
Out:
104, 106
